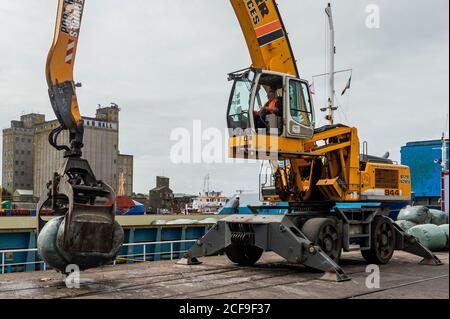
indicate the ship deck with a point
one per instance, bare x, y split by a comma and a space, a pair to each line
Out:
271, 278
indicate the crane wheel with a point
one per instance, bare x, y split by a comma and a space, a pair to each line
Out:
382, 242
324, 233
244, 255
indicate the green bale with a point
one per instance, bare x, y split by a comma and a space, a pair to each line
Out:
445, 230
416, 214
431, 236
405, 224
438, 217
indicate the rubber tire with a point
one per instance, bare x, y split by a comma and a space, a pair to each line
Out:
244, 255
313, 230
372, 255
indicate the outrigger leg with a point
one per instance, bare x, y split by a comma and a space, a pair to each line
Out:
411, 245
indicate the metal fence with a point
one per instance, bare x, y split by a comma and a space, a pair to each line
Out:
133, 257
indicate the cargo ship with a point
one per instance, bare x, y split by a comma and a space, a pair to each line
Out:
210, 202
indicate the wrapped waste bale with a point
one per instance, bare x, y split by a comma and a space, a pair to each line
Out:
182, 222
438, 217
445, 230
159, 222
208, 221
405, 224
431, 236
416, 214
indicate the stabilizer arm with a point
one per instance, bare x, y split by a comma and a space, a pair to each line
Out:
270, 233
411, 245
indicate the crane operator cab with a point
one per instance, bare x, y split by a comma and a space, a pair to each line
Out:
266, 103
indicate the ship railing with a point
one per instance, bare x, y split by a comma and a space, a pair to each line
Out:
8, 254
4, 254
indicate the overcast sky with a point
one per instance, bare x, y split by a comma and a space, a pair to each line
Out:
165, 64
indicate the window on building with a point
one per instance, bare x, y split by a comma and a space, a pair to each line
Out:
22, 163
29, 152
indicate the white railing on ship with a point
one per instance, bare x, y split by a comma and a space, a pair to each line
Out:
143, 255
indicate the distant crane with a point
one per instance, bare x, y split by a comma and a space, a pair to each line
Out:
206, 184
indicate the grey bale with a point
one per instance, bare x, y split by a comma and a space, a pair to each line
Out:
416, 214
445, 230
405, 224
431, 236
438, 217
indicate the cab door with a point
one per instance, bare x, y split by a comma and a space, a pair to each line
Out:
299, 109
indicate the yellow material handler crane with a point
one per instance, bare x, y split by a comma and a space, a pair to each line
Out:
338, 198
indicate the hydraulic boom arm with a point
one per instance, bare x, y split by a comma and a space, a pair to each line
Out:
59, 73
266, 36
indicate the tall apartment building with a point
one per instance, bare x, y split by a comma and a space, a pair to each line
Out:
17, 164
101, 140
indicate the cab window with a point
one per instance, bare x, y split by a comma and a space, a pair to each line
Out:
238, 110
300, 103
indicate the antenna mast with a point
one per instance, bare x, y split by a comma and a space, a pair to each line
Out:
331, 89
206, 188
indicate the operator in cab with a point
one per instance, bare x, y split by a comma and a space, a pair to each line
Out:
273, 106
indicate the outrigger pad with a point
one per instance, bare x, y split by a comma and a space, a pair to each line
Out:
434, 261
335, 276
189, 261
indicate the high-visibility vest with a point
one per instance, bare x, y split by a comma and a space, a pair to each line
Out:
272, 107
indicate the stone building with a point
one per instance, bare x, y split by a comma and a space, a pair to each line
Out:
161, 197
17, 163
